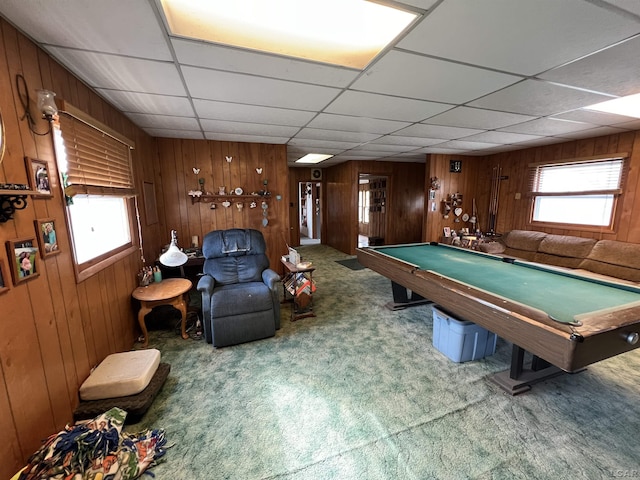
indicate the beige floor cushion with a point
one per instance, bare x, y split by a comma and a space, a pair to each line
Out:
121, 374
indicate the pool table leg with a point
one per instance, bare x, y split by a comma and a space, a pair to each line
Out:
519, 379
401, 299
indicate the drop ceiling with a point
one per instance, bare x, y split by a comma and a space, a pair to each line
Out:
469, 78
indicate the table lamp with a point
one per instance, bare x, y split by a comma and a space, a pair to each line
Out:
173, 257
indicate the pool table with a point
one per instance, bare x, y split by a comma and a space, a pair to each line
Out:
564, 320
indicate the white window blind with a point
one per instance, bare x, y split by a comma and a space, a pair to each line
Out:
592, 176
578, 193
93, 161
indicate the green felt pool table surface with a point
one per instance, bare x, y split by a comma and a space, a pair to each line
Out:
561, 295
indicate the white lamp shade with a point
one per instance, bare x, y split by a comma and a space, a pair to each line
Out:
173, 257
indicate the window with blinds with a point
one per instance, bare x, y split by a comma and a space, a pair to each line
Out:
581, 192
94, 161
96, 170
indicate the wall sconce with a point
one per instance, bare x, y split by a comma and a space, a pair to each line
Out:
46, 105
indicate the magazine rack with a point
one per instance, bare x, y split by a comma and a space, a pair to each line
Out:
298, 287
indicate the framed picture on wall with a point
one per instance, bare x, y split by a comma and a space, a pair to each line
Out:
38, 173
4, 279
23, 259
47, 237
446, 231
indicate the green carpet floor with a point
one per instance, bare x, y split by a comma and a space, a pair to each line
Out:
359, 392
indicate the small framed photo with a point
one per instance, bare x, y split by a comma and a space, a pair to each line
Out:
38, 173
47, 237
446, 231
4, 278
23, 259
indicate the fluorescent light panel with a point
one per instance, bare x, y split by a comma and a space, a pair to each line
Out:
313, 158
628, 106
341, 32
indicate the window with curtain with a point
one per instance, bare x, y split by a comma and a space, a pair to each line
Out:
581, 192
98, 182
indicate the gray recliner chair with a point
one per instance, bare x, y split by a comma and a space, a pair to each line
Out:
240, 300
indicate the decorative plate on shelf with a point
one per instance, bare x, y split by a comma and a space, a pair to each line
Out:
465, 217
238, 191
457, 211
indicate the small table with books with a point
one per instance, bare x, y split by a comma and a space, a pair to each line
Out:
298, 287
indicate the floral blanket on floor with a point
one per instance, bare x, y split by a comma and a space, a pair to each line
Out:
96, 450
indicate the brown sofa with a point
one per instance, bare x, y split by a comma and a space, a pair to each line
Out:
608, 258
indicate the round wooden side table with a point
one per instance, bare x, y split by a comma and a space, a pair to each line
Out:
167, 292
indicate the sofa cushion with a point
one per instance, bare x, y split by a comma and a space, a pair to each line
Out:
564, 250
616, 259
491, 247
522, 244
121, 374
566, 246
525, 240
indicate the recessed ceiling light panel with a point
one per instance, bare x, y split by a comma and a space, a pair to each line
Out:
313, 158
341, 32
628, 106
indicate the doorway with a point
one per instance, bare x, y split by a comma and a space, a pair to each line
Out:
310, 217
372, 209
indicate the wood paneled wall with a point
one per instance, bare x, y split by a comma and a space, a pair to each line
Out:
53, 329
175, 178
405, 202
515, 213
473, 182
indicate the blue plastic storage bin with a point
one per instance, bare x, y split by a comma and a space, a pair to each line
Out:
460, 340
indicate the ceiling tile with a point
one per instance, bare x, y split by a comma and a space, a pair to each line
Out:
466, 145
244, 128
404, 140
423, 4
477, 118
430, 79
311, 143
607, 71
380, 149
547, 127
146, 120
122, 73
173, 133
235, 137
355, 124
437, 131
632, 6
339, 135
631, 125
218, 57
444, 151
240, 88
501, 137
106, 26
362, 104
148, 103
522, 37
594, 132
239, 112
593, 116
533, 97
